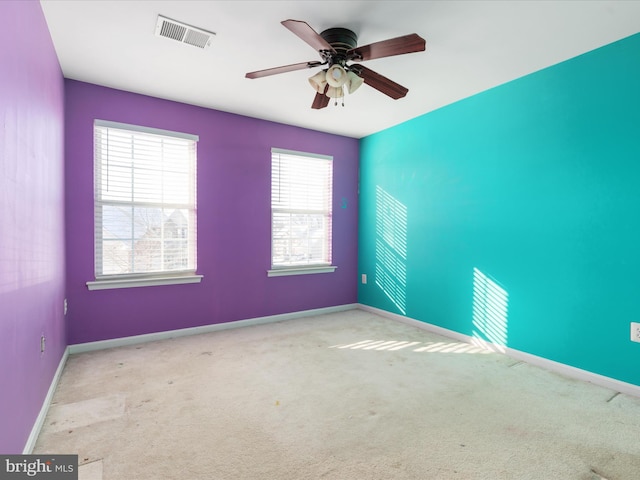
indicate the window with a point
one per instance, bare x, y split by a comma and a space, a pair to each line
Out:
301, 197
145, 206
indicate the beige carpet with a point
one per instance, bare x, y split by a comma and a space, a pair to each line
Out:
341, 396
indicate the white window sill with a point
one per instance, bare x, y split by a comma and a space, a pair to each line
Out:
282, 272
123, 282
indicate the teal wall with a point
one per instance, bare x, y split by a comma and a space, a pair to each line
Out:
535, 186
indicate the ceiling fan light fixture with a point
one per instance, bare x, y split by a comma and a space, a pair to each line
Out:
319, 81
353, 82
335, 92
336, 76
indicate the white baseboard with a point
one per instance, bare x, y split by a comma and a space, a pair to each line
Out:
37, 426
152, 337
561, 368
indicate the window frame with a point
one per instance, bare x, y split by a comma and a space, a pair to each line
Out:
312, 268
142, 279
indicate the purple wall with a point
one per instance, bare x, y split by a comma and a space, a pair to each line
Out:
31, 218
234, 246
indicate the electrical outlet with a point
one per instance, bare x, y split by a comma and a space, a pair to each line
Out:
635, 332
42, 343
65, 306
364, 278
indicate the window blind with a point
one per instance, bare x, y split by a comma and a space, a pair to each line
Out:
301, 199
145, 201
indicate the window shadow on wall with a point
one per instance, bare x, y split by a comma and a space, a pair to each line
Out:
490, 312
391, 248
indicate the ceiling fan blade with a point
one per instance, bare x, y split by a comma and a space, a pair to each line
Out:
380, 83
283, 69
308, 34
320, 100
387, 48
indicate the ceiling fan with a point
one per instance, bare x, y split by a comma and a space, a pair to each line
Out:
337, 47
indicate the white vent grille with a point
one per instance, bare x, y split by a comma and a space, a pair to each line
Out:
183, 33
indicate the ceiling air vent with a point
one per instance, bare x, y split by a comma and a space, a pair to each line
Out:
183, 33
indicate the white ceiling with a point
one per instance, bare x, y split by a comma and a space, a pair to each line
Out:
471, 46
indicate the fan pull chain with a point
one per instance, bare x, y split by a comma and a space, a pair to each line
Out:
336, 101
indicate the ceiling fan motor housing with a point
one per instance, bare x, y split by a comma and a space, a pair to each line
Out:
342, 40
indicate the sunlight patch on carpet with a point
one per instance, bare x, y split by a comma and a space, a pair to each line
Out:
418, 347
